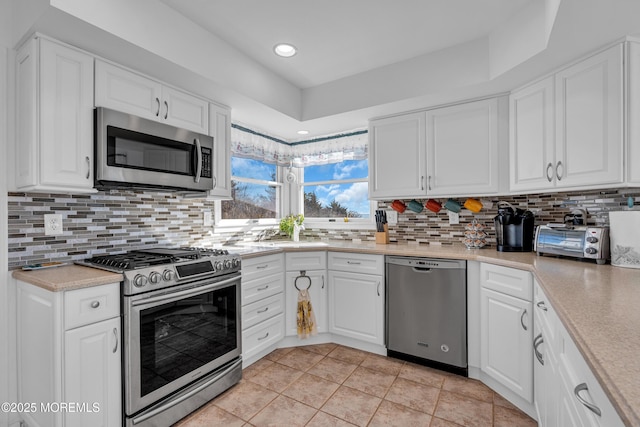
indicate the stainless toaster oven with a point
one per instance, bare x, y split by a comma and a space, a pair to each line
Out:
573, 241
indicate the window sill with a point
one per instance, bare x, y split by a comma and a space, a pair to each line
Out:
339, 225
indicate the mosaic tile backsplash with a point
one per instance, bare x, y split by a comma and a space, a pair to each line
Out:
117, 221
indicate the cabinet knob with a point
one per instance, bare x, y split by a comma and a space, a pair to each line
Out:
95, 304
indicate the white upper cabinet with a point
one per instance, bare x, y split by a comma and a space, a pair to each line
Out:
633, 114
54, 110
463, 148
567, 130
129, 92
397, 157
220, 129
532, 146
589, 121
449, 151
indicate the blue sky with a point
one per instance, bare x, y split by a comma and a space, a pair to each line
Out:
353, 196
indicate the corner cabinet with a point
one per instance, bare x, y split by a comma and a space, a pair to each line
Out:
54, 118
397, 157
356, 296
306, 270
576, 140
69, 350
129, 92
220, 130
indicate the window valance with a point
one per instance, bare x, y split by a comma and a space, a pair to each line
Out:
318, 151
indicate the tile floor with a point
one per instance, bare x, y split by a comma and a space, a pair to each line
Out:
333, 385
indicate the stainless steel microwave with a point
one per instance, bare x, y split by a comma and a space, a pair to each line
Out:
132, 152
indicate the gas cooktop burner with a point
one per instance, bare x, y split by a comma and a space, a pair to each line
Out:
155, 268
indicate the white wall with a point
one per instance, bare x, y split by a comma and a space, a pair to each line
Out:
7, 355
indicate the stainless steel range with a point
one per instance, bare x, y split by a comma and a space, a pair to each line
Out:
181, 315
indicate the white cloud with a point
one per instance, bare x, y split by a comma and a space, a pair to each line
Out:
355, 197
344, 170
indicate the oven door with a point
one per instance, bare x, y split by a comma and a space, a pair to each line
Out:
173, 337
132, 151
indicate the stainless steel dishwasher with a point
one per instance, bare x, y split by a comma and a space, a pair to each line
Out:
427, 311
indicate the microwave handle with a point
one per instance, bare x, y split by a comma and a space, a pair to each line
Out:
198, 160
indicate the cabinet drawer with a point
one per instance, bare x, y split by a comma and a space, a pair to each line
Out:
90, 305
262, 336
356, 263
316, 260
254, 268
548, 318
256, 312
255, 290
510, 281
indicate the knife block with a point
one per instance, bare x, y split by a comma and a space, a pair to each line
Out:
383, 236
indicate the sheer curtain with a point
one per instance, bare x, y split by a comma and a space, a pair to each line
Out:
318, 151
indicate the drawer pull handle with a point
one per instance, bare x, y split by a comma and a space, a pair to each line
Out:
265, 336
262, 289
378, 288
323, 281
354, 262
88, 160
536, 343
541, 306
590, 406
158, 109
166, 113
115, 334
522, 319
95, 304
559, 174
262, 267
263, 310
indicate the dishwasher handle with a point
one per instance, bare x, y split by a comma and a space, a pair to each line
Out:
422, 269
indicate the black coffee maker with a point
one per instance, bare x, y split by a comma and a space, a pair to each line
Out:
514, 229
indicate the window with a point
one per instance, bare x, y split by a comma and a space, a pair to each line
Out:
336, 190
255, 191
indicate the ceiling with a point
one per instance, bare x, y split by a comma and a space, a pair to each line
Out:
358, 59
338, 38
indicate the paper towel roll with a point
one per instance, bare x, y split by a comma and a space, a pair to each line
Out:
625, 238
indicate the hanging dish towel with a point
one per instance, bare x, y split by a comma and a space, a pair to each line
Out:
306, 318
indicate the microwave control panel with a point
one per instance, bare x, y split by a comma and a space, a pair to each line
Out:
207, 168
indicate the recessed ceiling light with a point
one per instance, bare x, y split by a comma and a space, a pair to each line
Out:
303, 132
285, 50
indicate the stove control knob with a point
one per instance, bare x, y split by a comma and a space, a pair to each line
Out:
227, 264
236, 262
139, 281
168, 275
591, 251
592, 239
218, 265
155, 278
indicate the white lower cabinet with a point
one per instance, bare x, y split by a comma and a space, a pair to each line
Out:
567, 393
356, 297
506, 327
306, 270
69, 346
262, 306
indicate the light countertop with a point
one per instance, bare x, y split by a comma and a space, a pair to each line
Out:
598, 304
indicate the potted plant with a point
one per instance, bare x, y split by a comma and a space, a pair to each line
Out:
292, 224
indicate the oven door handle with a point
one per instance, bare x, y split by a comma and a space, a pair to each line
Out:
192, 291
185, 396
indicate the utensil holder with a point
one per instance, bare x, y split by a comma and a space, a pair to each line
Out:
382, 237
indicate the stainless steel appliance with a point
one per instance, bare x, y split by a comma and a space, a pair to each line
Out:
427, 311
134, 152
514, 229
181, 315
573, 241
